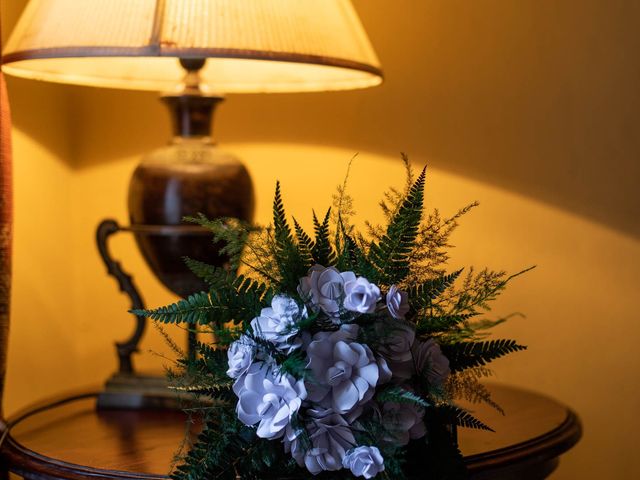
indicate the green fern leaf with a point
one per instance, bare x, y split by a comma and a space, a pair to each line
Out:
236, 300
353, 258
422, 296
462, 417
391, 256
290, 262
396, 394
305, 244
230, 236
323, 252
280, 224
195, 309
211, 275
476, 354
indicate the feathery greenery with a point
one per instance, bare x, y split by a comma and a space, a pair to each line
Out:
231, 299
390, 255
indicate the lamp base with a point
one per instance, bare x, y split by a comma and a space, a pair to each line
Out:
135, 391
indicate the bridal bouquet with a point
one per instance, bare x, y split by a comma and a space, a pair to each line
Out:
340, 355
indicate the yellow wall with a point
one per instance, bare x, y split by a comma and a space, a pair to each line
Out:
530, 107
42, 275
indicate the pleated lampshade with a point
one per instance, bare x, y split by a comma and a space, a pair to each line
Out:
253, 45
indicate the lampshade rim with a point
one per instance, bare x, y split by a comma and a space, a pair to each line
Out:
167, 52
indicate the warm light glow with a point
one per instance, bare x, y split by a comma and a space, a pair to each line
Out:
252, 45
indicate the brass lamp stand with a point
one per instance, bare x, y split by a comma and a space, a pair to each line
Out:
189, 176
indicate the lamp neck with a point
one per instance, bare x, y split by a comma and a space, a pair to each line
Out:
192, 115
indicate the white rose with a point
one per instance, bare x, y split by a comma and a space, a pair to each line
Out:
268, 399
345, 373
277, 324
400, 336
430, 361
324, 288
364, 462
330, 436
361, 295
426, 359
240, 355
397, 303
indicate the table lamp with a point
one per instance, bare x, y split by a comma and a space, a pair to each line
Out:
194, 51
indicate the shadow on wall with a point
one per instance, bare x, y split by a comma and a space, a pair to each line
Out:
539, 97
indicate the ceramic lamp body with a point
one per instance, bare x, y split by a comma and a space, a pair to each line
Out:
188, 177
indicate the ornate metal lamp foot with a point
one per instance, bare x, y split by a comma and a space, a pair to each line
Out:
126, 388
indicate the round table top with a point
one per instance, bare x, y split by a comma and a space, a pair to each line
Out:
76, 441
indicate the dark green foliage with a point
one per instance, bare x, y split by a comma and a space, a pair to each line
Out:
345, 252
305, 245
460, 417
230, 236
260, 460
352, 257
478, 290
323, 252
392, 253
195, 309
289, 260
213, 276
396, 394
233, 299
377, 331
372, 432
280, 224
209, 393
423, 295
227, 449
295, 365
215, 452
393, 197
225, 335
207, 372
431, 255
248, 299
475, 354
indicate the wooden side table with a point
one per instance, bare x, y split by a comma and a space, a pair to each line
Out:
74, 441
